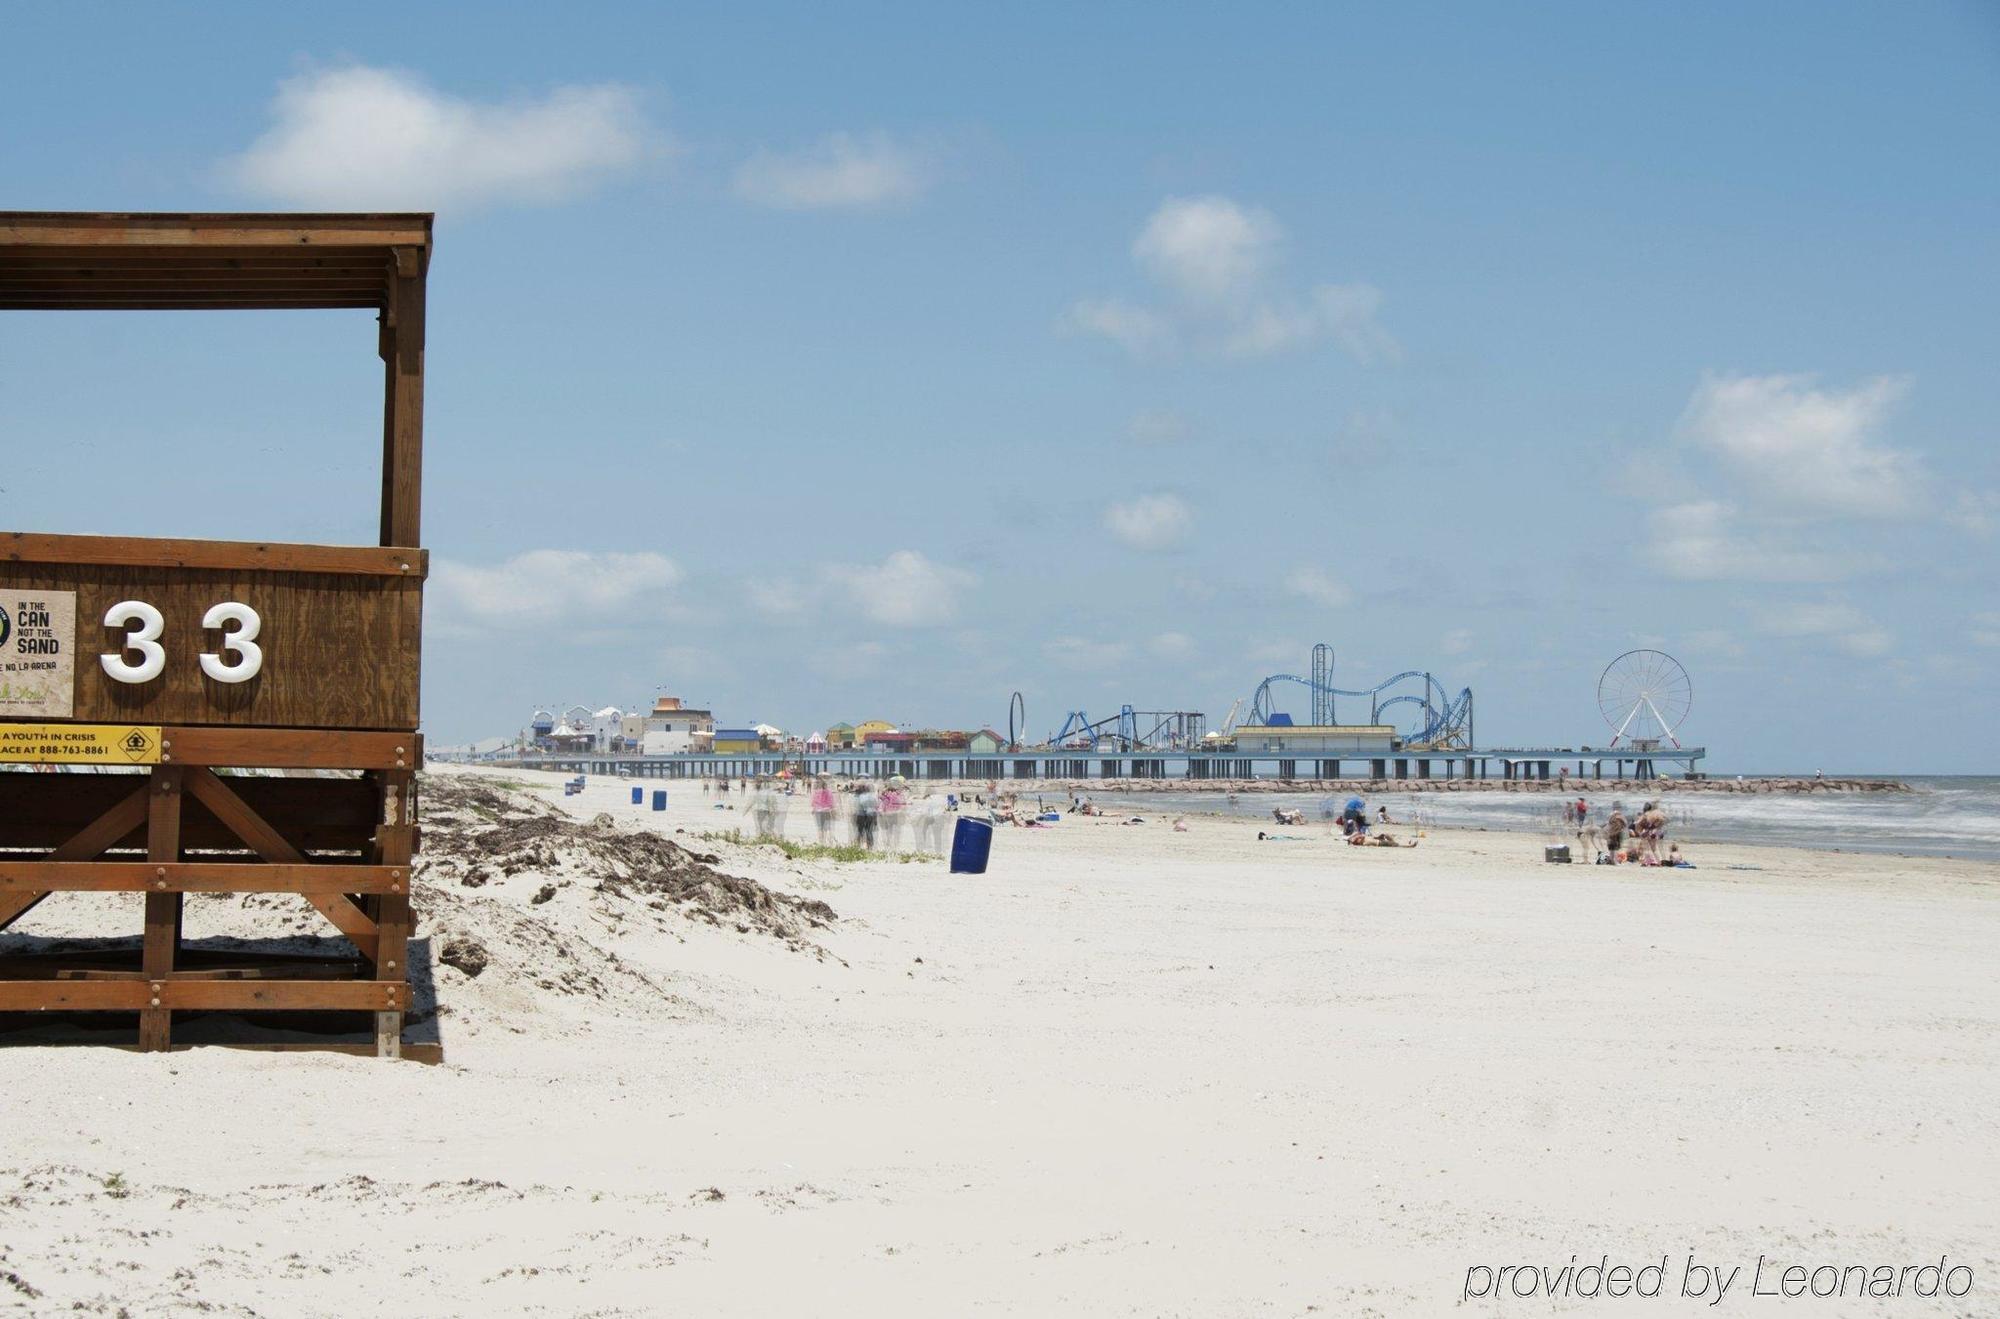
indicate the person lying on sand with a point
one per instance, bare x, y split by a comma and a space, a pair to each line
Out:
1180, 824
1378, 840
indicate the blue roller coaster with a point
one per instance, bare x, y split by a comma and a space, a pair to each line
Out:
1132, 730
1440, 720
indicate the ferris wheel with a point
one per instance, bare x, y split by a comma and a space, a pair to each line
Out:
1645, 696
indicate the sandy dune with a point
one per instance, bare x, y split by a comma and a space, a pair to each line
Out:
1126, 1072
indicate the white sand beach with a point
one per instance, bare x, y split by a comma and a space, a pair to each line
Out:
1126, 1072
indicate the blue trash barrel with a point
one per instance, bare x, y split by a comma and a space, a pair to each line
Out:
659, 798
638, 795
971, 843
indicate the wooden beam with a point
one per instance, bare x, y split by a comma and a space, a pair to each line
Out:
13, 906
395, 844
92, 841
160, 552
182, 231
194, 302
169, 877
291, 748
402, 348
202, 995
271, 845
163, 908
39, 811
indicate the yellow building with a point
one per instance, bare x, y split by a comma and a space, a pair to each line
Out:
868, 728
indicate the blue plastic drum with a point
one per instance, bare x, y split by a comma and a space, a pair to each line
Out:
971, 844
659, 798
638, 795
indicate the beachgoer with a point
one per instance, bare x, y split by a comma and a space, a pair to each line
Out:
764, 811
1614, 830
1180, 824
930, 823
892, 816
822, 809
866, 804
1650, 828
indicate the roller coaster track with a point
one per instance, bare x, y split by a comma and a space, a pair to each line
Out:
1443, 722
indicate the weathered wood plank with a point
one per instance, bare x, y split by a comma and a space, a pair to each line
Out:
402, 348
163, 907
394, 842
39, 811
202, 995
340, 650
253, 233
174, 552
292, 748
166, 878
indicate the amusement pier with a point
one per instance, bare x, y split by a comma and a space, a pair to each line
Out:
1643, 696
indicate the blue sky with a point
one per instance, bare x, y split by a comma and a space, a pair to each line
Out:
831, 365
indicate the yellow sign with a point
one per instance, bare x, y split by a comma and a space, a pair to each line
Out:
79, 744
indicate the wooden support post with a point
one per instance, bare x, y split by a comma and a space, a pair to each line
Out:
163, 910
402, 349
394, 846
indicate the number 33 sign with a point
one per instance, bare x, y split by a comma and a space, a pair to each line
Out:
143, 639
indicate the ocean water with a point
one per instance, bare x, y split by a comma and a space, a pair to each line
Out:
1942, 815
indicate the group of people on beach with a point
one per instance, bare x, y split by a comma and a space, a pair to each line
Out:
875, 818
1626, 839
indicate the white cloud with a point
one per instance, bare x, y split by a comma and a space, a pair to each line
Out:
1457, 641
1986, 629
1215, 259
904, 590
1082, 653
1836, 621
1208, 249
1150, 522
1173, 645
841, 172
1705, 541
1811, 449
1135, 329
1319, 587
359, 137
1158, 426
553, 586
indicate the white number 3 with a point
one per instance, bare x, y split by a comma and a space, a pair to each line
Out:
145, 640
242, 643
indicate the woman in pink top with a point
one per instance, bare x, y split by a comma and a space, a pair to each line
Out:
892, 816
822, 805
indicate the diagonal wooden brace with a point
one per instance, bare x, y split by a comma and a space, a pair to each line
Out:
267, 842
91, 842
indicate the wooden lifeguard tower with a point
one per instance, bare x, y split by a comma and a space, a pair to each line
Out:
142, 672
